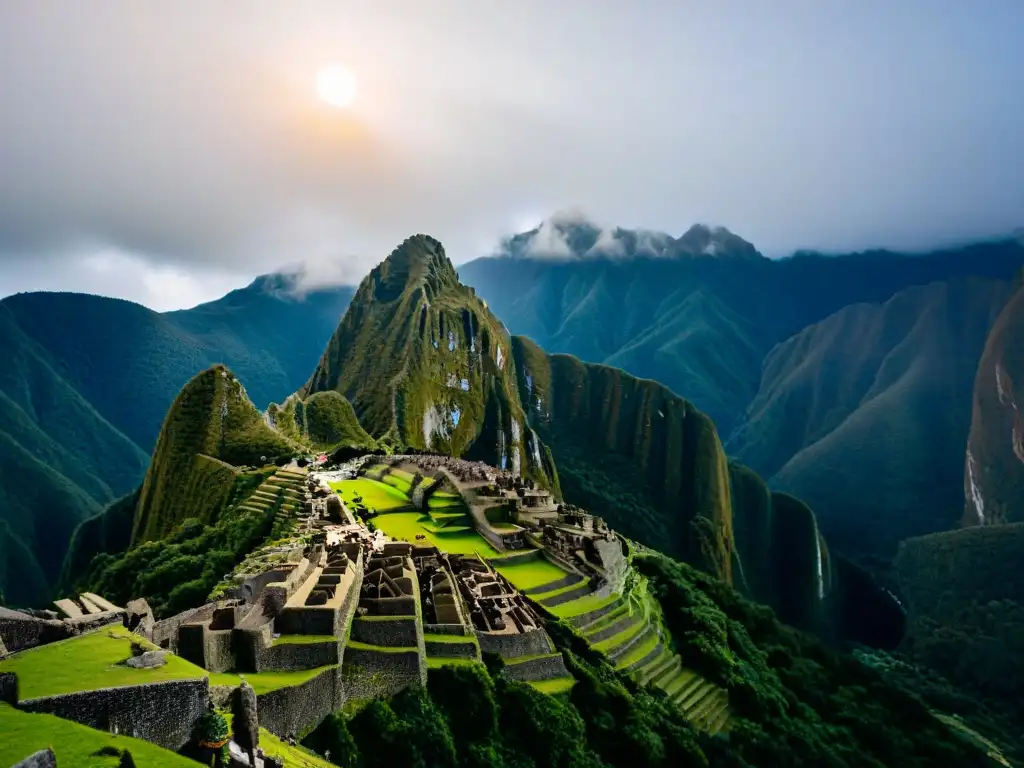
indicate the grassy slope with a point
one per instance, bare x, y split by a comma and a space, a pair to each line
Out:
862, 415
88, 662
74, 744
211, 425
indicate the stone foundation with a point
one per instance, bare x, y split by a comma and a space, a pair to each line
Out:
390, 633
537, 669
533, 643
298, 709
378, 674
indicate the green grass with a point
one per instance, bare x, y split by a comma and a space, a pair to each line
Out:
73, 744
436, 662
294, 757
531, 574
357, 646
555, 685
401, 481
376, 495
305, 639
610, 643
454, 639
559, 591
405, 526
88, 662
638, 651
262, 682
583, 605
533, 657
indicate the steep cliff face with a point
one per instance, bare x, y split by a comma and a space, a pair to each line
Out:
994, 471
864, 415
211, 428
426, 365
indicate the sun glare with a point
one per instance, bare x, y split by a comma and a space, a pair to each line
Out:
336, 85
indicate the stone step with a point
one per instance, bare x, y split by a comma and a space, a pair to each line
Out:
686, 688
690, 704
662, 676
622, 625
639, 664
629, 642
607, 619
719, 720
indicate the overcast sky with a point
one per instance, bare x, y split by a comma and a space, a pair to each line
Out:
167, 151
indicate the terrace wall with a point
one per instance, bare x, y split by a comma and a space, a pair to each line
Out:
532, 643
163, 713
537, 669
298, 709
378, 674
8, 688
288, 657
393, 633
20, 631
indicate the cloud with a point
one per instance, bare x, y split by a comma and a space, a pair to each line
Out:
187, 134
607, 244
548, 242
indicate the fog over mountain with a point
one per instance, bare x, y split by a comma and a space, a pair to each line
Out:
169, 152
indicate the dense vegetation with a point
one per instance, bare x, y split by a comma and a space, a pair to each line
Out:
180, 570
794, 701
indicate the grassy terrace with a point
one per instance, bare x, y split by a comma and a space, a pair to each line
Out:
532, 574
582, 605
609, 644
375, 495
639, 651
436, 662
305, 639
555, 685
357, 646
262, 682
88, 662
74, 744
453, 639
406, 526
293, 756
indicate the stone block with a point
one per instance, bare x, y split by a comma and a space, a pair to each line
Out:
42, 759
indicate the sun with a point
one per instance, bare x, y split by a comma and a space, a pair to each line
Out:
336, 85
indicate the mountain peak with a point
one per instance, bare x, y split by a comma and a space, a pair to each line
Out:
419, 261
569, 235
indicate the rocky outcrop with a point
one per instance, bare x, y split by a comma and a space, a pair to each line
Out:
994, 463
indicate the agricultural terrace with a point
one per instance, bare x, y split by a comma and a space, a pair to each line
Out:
449, 535
90, 661
25, 733
531, 574
375, 494
263, 682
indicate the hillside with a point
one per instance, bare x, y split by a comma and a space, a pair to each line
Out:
994, 470
85, 383
211, 429
862, 414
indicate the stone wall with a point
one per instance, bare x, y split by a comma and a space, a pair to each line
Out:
582, 590
531, 643
376, 674
399, 632
567, 580
162, 713
8, 687
165, 632
447, 629
591, 616
287, 657
537, 669
465, 650
20, 631
298, 709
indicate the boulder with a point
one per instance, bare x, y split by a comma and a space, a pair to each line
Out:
140, 617
42, 759
148, 660
3, 649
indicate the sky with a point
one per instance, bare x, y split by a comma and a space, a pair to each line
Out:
171, 150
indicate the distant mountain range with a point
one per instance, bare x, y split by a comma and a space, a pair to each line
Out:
824, 373
85, 383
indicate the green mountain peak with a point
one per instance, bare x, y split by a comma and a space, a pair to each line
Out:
211, 428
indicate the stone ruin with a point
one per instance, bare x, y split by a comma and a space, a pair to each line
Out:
495, 605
